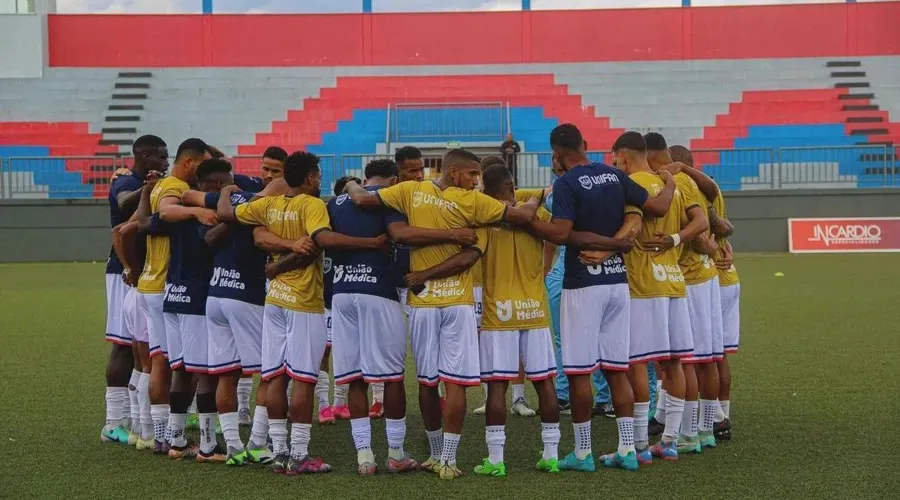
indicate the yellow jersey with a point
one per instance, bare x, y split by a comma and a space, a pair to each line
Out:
697, 267
655, 274
426, 205
728, 276
477, 274
513, 264
156, 263
291, 217
524, 194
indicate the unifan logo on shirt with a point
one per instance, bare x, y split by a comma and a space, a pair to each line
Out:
846, 234
420, 198
276, 215
589, 181
341, 199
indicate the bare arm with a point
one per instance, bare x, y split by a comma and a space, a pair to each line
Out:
557, 231
331, 240
450, 267
704, 182
268, 241
658, 205
705, 243
218, 236
360, 197
192, 198
694, 229
224, 209
129, 200
524, 214
124, 240
171, 210
275, 188
629, 230
288, 263
720, 226
405, 234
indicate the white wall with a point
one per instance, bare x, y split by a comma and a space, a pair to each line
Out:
21, 46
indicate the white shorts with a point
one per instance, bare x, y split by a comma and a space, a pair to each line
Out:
731, 317
660, 329
401, 292
135, 321
188, 340
445, 344
235, 335
502, 351
274, 341
478, 291
116, 289
151, 304
595, 328
328, 325
705, 310
293, 342
369, 339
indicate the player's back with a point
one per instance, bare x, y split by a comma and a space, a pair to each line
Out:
238, 266
726, 276
513, 268
593, 197
122, 184
360, 271
650, 273
190, 268
156, 264
697, 267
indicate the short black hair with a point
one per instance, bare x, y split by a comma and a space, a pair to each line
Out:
146, 142
407, 153
275, 153
457, 156
193, 147
682, 154
341, 183
655, 141
566, 136
383, 167
298, 165
489, 161
212, 166
494, 176
631, 140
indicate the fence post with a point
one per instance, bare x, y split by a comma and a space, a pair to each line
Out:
776, 165
2, 178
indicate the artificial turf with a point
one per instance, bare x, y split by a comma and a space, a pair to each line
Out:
815, 405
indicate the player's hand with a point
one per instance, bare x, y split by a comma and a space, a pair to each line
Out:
665, 175
130, 278
625, 245
305, 246
674, 168
414, 279
271, 270
465, 236
207, 217
661, 243
151, 179
594, 257
118, 173
229, 189
382, 243
533, 202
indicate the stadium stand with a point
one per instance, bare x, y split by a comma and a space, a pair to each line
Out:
786, 122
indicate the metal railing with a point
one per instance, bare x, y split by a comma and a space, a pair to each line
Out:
733, 169
442, 122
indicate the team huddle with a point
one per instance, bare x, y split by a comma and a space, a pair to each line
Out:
214, 277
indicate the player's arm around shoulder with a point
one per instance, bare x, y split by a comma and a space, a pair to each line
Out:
392, 196
657, 206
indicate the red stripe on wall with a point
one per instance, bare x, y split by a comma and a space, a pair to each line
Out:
475, 38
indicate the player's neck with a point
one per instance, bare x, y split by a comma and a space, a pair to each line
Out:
577, 161
377, 182
180, 172
640, 166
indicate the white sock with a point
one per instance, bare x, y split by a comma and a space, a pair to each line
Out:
144, 401
451, 445
689, 419
378, 393
396, 435
495, 437
300, 434
626, 434
675, 413
115, 397
260, 429
340, 394
176, 429
726, 407
707, 415
550, 435
207, 432
484, 390
134, 402
279, 434
193, 409
160, 416
230, 430
361, 429
641, 421
436, 443
441, 390
244, 388
720, 413
290, 388
582, 439
321, 390
518, 392
661, 410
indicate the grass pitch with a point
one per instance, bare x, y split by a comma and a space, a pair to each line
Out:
815, 405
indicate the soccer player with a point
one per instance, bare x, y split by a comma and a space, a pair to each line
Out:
515, 330
442, 318
150, 155
589, 201
165, 200
660, 325
705, 312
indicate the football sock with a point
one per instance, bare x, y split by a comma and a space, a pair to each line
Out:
361, 429
144, 401
641, 420
134, 401
550, 435
299, 440
661, 407
160, 416
626, 435
115, 397
707, 415
340, 394
451, 445
436, 443
207, 432
689, 419
378, 392
582, 439
675, 408
321, 390
244, 388
726, 407
518, 392
495, 437
279, 434
176, 429
396, 434
260, 429
230, 430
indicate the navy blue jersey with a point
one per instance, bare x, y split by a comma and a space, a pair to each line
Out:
239, 267
190, 268
249, 184
366, 272
400, 253
122, 184
594, 197
327, 281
